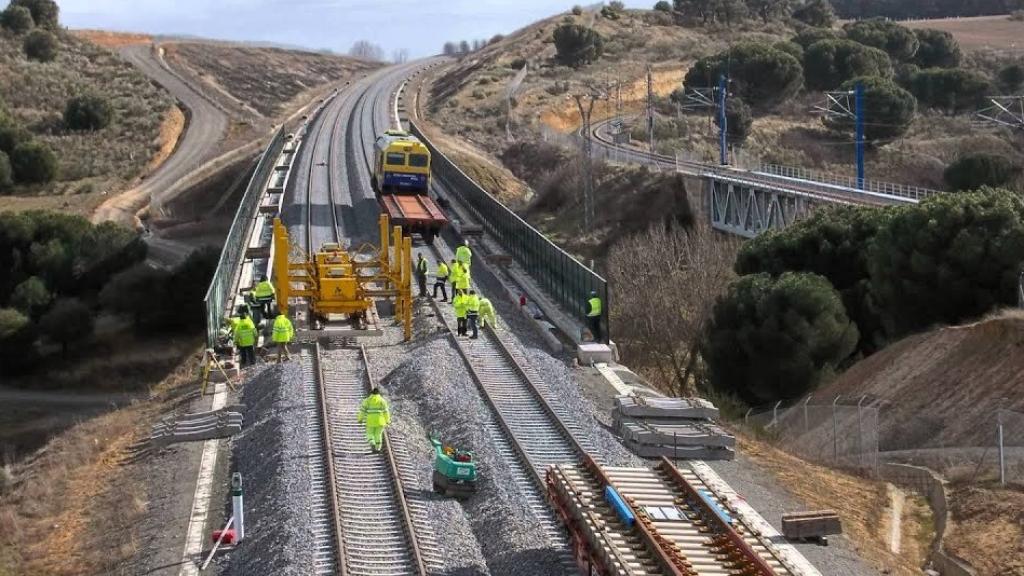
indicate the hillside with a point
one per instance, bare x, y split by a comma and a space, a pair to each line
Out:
941, 388
91, 164
468, 99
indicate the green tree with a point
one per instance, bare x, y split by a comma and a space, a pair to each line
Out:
70, 320
758, 73
663, 6
777, 338
6, 176
11, 135
809, 36
577, 10
769, 10
1011, 76
53, 261
17, 336
792, 48
40, 45
191, 280
45, 13
577, 45
937, 49
951, 258
17, 19
739, 120
138, 293
889, 110
88, 112
832, 243
899, 42
816, 13
829, 63
33, 163
974, 171
953, 90
31, 296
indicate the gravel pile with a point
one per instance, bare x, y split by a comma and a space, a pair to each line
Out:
270, 455
427, 384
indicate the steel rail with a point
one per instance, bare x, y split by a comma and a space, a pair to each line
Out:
332, 477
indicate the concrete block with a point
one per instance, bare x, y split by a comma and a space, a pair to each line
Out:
674, 432
591, 353
654, 407
680, 452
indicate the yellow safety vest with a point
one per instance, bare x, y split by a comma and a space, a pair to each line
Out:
442, 271
421, 266
473, 303
595, 307
283, 330
263, 290
245, 333
374, 411
463, 254
461, 305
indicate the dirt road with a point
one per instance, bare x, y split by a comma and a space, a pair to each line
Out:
206, 127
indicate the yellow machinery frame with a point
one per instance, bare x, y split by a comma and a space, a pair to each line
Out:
335, 282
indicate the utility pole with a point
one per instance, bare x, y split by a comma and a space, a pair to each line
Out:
838, 106
585, 104
723, 122
650, 110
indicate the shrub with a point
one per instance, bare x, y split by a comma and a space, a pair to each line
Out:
1011, 76
517, 64
817, 13
33, 163
663, 6
829, 63
135, 293
45, 13
577, 45
17, 19
777, 338
974, 171
832, 243
6, 177
951, 89
40, 45
897, 41
937, 49
809, 36
739, 120
68, 321
31, 296
577, 10
88, 112
757, 72
952, 258
889, 110
10, 136
768, 10
610, 13
792, 48
17, 336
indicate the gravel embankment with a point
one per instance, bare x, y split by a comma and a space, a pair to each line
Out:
269, 453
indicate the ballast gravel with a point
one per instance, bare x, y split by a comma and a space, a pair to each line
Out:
270, 454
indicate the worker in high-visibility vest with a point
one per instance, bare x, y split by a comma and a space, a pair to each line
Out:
461, 304
463, 280
487, 317
441, 278
421, 274
473, 313
594, 316
245, 335
464, 255
264, 293
282, 335
375, 412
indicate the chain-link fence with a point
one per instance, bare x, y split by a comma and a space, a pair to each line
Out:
859, 438
219, 293
563, 277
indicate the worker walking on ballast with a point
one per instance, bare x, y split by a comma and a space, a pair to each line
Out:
375, 412
421, 274
473, 313
461, 304
283, 335
441, 278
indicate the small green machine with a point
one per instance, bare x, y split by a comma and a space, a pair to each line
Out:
454, 471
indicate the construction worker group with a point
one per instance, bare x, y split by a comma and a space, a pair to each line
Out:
245, 325
472, 311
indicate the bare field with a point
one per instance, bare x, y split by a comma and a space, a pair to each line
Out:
979, 33
987, 529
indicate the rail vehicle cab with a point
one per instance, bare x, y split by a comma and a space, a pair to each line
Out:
401, 164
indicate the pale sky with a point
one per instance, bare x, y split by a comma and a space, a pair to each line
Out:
421, 26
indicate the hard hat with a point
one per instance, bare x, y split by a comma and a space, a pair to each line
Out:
593, 292
375, 390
